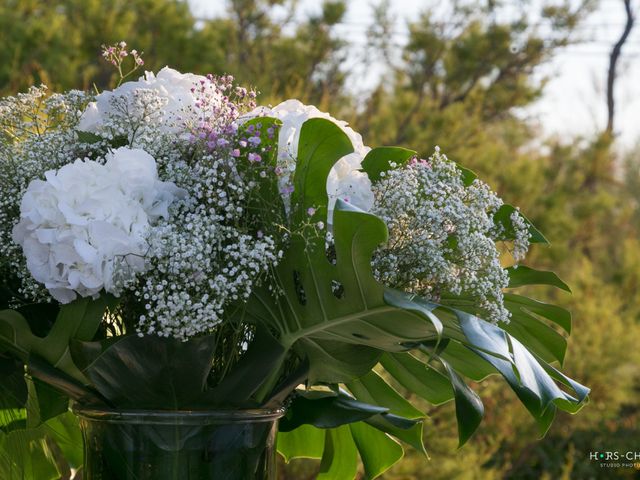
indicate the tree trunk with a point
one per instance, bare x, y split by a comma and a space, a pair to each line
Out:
613, 60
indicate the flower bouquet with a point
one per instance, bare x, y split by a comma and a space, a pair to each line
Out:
196, 274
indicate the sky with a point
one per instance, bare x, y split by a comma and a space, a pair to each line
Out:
573, 103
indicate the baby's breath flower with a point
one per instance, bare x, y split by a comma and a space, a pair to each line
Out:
196, 257
442, 237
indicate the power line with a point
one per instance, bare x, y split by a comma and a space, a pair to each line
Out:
575, 49
363, 27
401, 37
404, 36
367, 24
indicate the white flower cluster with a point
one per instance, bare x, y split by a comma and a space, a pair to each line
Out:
36, 113
205, 261
522, 236
35, 136
169, 103
162, 223
85, 226
181, 223
442, 236
345, 180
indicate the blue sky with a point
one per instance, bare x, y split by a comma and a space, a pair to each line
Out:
574, 99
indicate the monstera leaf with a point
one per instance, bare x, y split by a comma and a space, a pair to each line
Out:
79, 319
337, 428
474, 349
164, 373
49, 357
26, 452
334, 313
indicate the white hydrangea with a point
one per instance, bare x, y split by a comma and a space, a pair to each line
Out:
84, 228
345, 180
39, 137
177, 106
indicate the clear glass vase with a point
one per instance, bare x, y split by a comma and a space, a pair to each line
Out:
179, 445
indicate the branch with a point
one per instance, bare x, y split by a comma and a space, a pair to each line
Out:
613, 60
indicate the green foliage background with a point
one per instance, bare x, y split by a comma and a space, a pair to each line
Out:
459, 87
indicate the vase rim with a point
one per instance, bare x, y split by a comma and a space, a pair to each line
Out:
196, 417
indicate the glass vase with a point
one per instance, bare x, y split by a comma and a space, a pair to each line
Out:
178, 445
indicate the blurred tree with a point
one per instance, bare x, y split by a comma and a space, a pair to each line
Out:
42, 43
460, 83
57, 43
282, 58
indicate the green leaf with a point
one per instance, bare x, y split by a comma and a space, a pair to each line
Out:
88, 137
150, 371
378, 160
11, 418
306, 441
377, 450
84, 353
340, 456
44, 402
371, 388
469, 408
418, 377
411, 435
466, 362
40, 316
581, 391
24, 454
13, 389
278, 396
402, 420
327, 412
341, 336
49, 386
468, 176
65, 431
527, 375
338, 447
520, 276
79, 319
502, 218
537, 336
322, 143
15, 334
261, 361
545, 420
518, 303
358, 319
